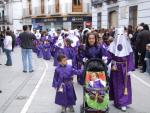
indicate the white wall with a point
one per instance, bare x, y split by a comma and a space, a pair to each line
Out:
123, 16
104, 16
94, 18
17, 15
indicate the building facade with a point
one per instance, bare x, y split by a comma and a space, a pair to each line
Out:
11, 14
66, 14
115, 13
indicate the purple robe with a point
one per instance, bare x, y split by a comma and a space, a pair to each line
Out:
57, 51
40, 50
35, 43
95, 51
63, 74
46, 51
117, 81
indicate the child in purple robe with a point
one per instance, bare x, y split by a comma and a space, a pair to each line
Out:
40, 49
46, 50
62, 82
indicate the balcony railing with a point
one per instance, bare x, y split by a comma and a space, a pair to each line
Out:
87, 8
26, 12
37, 11
110, 1
97, 3
4, 20
53, 10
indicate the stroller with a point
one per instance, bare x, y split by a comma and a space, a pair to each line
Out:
93, 101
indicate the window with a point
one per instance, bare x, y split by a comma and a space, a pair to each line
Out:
99, 19
42, 6
57, 5
77, 6
133, 16
77, 2
30, 7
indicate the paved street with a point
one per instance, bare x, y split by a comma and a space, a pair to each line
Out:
32, 92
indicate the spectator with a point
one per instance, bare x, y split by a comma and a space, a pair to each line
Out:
1, 43
26, 39
8, 48
133, 44
13, 37
143, 39
147, 58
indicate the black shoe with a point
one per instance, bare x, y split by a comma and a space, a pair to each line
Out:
0, 91
0, 64
8, 64
24, 71
142, 71
31, 71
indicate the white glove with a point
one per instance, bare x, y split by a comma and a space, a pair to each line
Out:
104, 59
129, 73
85, 59
130, 36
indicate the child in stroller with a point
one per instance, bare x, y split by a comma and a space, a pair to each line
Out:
96, 97
96, 83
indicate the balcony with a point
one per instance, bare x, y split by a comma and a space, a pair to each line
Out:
37, 11
26, 12
97, 3
53, 10
110, 1
4, 20
85, 9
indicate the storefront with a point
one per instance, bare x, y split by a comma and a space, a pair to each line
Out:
70, 22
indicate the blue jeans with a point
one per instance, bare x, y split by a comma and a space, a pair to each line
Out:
148, 66
8, 55
27, 59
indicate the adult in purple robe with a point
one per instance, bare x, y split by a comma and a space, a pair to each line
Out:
122, 66
63, 74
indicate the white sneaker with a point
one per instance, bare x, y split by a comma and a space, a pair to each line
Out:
124, 108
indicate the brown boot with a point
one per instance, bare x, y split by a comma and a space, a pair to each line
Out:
71, 109
63, 110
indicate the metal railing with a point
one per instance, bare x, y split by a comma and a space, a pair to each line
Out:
4, 20
26, 12
96, 2
53, 9
87, 8
38, 11
110, 1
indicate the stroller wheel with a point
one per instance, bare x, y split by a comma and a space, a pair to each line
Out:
81, 109
107, 111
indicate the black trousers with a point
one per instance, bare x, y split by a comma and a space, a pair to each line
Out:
143, 61
136, 58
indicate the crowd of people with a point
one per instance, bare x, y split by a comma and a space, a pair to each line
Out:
122, 50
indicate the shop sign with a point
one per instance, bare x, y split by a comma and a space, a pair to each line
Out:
77, 18
50, 20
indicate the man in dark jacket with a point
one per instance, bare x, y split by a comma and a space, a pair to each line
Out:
26, 39
143, 38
